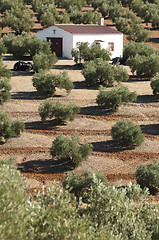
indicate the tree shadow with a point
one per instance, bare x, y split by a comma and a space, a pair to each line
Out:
82, 85
69, 67
146, 99
108, 146
26, 96
95, 110
44, 166
43, 125
22, 73
154, 40
152, 129
136, 78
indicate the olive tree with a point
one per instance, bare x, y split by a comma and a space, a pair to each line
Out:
4, 71
145, 67
98, 72
46, 83
10, 128
112, 99
155, 85
127, 134
43, 61
5, 88
24, 45
19, 19
69, 151
84, 52
60, 112
147, 176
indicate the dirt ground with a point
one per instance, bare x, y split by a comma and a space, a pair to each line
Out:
31, 150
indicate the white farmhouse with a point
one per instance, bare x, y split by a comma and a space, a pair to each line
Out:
64, 37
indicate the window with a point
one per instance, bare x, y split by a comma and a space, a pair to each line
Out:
111, 46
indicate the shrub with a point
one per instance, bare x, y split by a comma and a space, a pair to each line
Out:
19, 19
41, 61
5, 88
155, 85
127, 134
132, 49
81, 185
3, 49
112, 99
4, 72
46, 83
86, 53
147, 176
90, 17
120, 74
69, 151
145, 67
14, 207
61, 112
24, 45
108, 99
9, 128
98, 72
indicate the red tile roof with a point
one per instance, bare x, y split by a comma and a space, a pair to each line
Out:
87, 29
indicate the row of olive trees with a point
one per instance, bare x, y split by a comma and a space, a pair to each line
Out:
24, 45
149, 10
142, 59
125, 20
16, 16
8, 127
57, 214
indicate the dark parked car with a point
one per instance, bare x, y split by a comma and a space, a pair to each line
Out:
23, 66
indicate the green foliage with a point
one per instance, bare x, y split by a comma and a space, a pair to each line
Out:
112, 99
48, 14
42, 61
145, 67
61, 112
108, 99
90, 17
81, 185
25, 44
75, 14
5, 88
2, 48
120, 74
112, 214
10, 128
147, 176
127, 134
126, 220
4, 72
14, 207
98, 72
67, 3
155, 85
46, 83
69, 151
84, 52
19, 19
121, 23
132, 49
8, 5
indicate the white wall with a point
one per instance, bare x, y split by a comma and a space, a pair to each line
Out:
69, 40
117, 39
59, 33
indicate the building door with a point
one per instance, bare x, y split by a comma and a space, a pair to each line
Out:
56, 46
